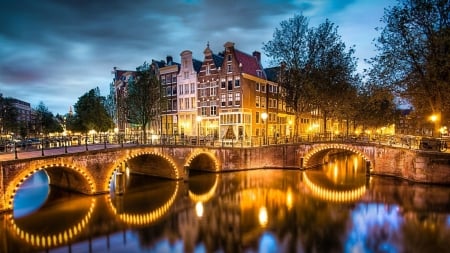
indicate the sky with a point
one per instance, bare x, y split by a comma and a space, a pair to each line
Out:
54, 51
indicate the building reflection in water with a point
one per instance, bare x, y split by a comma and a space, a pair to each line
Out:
335, 208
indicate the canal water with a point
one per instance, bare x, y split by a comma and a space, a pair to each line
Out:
335, 208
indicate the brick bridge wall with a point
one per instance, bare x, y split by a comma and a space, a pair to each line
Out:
90, 172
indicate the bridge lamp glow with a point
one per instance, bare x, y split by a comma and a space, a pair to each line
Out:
199, 209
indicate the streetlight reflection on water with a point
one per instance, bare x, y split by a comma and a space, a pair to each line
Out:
335, 208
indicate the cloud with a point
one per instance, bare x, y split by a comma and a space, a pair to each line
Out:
54, 51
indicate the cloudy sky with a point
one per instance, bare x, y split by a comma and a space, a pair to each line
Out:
56, 50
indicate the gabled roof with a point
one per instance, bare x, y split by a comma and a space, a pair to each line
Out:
250, 64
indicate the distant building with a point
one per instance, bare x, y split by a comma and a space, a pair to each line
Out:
120, 82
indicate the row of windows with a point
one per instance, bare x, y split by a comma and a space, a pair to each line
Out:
186, 88
168, 79
235, 118
229, 102
187, 103
228, 84
270, 88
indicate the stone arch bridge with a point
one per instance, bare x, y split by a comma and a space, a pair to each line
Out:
91, 172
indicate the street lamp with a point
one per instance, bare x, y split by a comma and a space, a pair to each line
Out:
199, 120
264, 118
433, 119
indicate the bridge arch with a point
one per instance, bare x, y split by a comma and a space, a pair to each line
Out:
62, 175
148, 158
313, 155
202, 160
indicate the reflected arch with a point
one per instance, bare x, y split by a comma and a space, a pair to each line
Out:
203, 191
141, 215
65, 176
340, 195
55, 233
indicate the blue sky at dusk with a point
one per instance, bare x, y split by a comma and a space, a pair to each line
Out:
56, 50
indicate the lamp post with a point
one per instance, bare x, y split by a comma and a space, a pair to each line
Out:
199, 121
264, 119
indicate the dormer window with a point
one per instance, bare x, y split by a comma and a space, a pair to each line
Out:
229, 57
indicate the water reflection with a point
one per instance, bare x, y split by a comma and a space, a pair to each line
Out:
336, 208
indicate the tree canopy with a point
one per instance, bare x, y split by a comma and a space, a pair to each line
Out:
317, 70
143, 97
413, 55
91, 113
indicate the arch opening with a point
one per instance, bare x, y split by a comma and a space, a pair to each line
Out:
152, 165
202, 163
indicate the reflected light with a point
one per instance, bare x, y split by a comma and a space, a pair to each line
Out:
263, 217
199, 209
289, 200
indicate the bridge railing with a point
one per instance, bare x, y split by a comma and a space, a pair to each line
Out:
70, 144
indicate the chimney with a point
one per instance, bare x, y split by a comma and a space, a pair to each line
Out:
169, 60
257, 55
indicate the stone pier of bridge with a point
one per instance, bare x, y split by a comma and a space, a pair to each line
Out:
91, 172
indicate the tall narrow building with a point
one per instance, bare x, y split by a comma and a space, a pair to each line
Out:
187, 97
207, 94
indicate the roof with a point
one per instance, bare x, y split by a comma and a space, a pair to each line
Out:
218, 60
272, 73
197, 65
250, 64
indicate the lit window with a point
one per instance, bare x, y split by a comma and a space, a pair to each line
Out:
230, 99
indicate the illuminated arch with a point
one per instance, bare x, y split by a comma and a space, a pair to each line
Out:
196, 153
146, 218
52, 240
126, 158
333, 195
330, 146
15, 183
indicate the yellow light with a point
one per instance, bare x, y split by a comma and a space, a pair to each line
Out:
264, 116
433, 117
263, 217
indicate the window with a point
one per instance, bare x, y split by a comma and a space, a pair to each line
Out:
257, 86
208, 69
204, 111
193, 103
258, 101
174, 90
186, 101
213, 91
237, 98
257, 117
180, 88
230, 84
222, 84
174, 79
223, 100
270, 88
186, 88
229, 57
230, 99
237, 83
174, 104
192, 88
186, 75
213, 110
168, 91
181, 104
263, 88
163, 79
263, 103
229, 68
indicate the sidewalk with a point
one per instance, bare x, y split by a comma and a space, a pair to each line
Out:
8, 156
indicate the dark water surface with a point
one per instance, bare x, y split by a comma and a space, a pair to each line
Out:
336, 208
